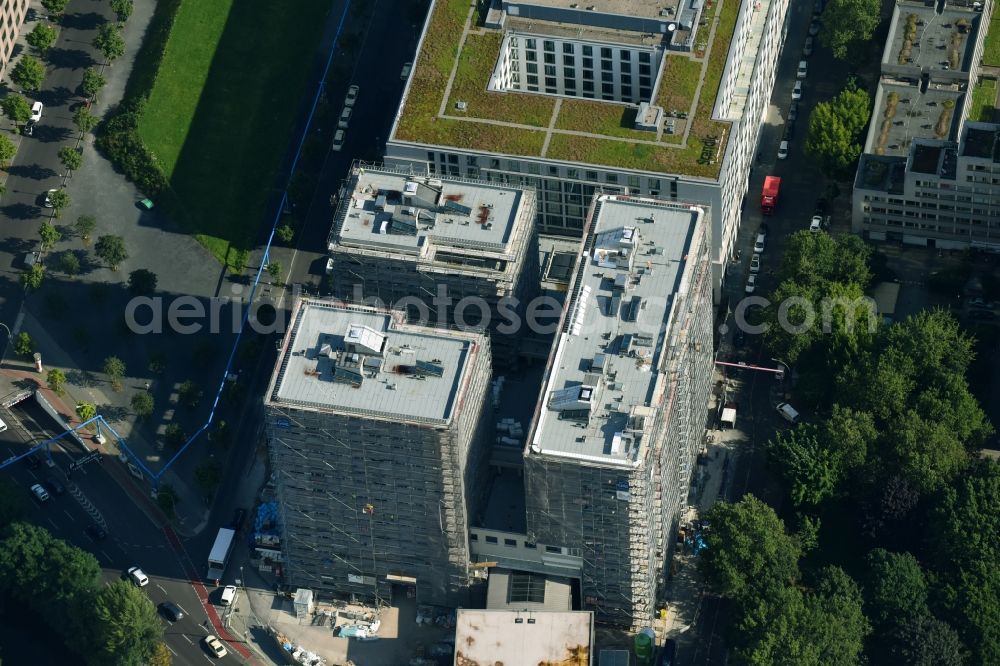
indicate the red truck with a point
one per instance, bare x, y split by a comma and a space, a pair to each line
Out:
769, 195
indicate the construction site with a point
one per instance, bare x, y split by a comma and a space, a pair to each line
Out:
621, 415
424, 244
379, 433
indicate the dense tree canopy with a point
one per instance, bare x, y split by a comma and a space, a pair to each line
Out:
847, 25
895, 588
130, 628
835, 129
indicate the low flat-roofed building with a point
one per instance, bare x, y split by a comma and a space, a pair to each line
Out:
491, 637
619, 422
378, 436
409, 242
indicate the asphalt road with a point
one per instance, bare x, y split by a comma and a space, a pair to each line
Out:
93, 497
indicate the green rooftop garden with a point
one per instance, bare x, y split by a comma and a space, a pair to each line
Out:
984, 99
991, 49
478, 127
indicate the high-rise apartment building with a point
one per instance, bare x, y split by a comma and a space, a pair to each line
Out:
659, 98
378, 440
930, 172
12, 13
448, 250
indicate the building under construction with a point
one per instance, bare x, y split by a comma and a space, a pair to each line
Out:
424, 244
378, 440
619, 422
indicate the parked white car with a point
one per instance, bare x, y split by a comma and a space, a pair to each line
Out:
405, 72
815, 224
40, 493
783, 150
797, 91
345, 118
352, 96
36, 111
228, 595
755, 263
137, 576
338, 140
803, 69
751, 284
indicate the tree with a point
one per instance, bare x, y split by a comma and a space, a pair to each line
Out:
69, 262
29, 73
32, 277
747, 550
207, 476
85, 225
122, 9
142, 404
830, 142
49, 235
86, 411
110, 42
161, 655
55, 379
84, 119
7, 151
966, 555
71, 157
174, 435
285, 233
16, 108
921, 640
189, 394
42, 37
895, 588
92, 83
112, 250
848, 25
23, 344
888, 505
274, 269
55, 6
114, 368
59, 200
142, 282
808, 467
129, 630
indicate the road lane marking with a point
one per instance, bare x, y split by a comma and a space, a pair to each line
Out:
105, 554
54, 526
207, 659
171, 649
70, 517
184, 636
182, 609
161, 588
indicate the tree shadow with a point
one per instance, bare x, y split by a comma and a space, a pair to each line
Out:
57, 97
32, 171
69, 58
83, 21
21, 211
82, 378
114, 413
51, 133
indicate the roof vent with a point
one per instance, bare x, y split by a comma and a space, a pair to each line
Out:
461, 106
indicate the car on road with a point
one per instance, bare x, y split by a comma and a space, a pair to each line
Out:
138, 577
352, 96
96, 532
783, 150
751, 284
345, 118
228, 595
787, 412
797, 91
803, 69
405, 72
789, 130
815, 224
793, 111
755, 263
29, 128
807, 47
54, 485
39, 492
338, 140
48, 197
762, 229
171, 611
36, 112
215, 646
758, 244
33, 461
813, 28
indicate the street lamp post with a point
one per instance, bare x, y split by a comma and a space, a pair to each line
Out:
6, 344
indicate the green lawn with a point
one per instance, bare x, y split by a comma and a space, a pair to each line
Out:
991, 49
984, 97
220, 112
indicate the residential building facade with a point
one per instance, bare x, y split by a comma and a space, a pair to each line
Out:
12, 13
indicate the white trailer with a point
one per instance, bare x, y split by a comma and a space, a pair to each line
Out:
219, 556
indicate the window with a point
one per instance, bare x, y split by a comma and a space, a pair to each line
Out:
626, 92
529, 43
470, 160
473, 537
531, 56
570, 74
550, 58
550, 70
510, 542
612, 178
633, 182
526, 587
626, 80
644, 70
528, 544
588, 50
608, 90
549, 46
626, 67
573, 173
644, 56
607, 77
550, 82
605, 52
591, 175
553, 549
491, 539
588, 63
588, 86
567, 47
588, 75
568, 61
607, 65
532, 68
553, 171
532, 80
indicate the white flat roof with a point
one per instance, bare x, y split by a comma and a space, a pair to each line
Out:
363, 361
604, 368
540, 637
395, 211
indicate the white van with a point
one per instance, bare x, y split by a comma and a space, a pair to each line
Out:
788, 412
758, 245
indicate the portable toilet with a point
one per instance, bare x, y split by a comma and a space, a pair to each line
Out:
645, 647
